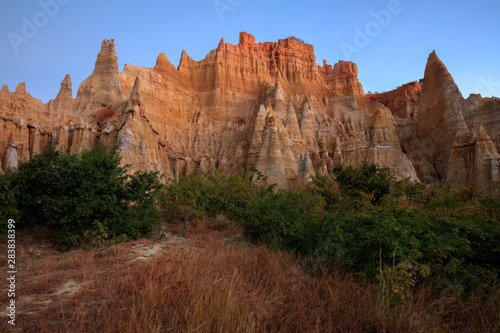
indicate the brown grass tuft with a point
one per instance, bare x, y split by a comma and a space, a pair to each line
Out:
105, 113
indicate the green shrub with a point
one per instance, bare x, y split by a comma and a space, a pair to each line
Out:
210, 194
8, 201
328, 189
37, 184
76, 194
368, 179
406, 246
182, 198
286, 219
143, 190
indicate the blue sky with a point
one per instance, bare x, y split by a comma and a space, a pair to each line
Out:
389, 40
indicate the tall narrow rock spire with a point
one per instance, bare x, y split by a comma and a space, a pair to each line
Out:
12, 159
437, 113
304, 167
135, 96
66, 92
107, 59
103, 87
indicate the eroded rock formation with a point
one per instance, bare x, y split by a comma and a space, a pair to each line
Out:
263, 104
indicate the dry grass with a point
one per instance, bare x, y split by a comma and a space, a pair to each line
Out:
105, 113
211, 281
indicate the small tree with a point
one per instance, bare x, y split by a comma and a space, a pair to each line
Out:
8, 205
81, 194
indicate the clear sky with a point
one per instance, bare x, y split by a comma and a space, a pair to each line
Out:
389, 40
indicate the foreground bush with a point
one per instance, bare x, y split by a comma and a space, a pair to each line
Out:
406, 246
210, 194
85, 198
368, 181
7, 201
284, 219
416, 235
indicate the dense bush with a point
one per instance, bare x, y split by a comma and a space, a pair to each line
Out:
367, 180
409, 245
210, 194
286, 219
7, 201
85, 198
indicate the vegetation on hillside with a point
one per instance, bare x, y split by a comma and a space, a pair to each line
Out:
399, 235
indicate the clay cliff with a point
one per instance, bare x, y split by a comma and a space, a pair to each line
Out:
267, 104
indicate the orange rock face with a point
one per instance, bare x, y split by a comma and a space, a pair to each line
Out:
266, 104
403, 101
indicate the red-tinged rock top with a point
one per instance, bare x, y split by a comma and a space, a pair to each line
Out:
246, 65
21, 88
185, 60
343, 69
163, 64
285, 49
221, 44
246, 39
290, 43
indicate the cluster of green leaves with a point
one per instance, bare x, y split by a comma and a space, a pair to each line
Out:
210, 194
85, 198
286, 219
407, 245
8, 201
407, 235
367, 180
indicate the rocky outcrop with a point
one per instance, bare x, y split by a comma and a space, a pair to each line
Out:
473, 158
438, 114
11, 162
263, 104
449, 132
59, 107
304, 168
403, 101
103, 87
